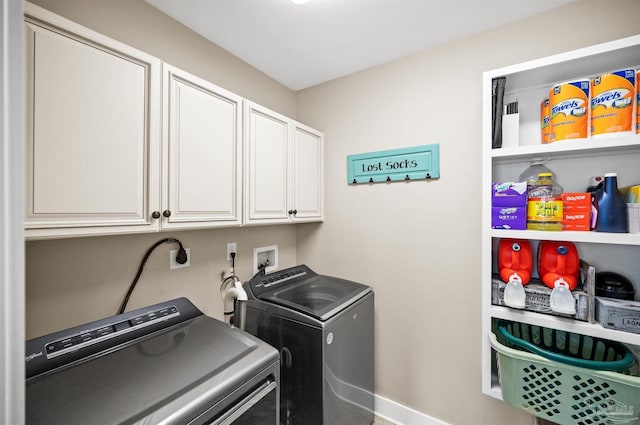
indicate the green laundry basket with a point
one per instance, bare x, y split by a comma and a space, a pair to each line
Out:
564, 381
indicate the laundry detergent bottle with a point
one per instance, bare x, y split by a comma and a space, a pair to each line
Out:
612, 209
559, 269
514, 265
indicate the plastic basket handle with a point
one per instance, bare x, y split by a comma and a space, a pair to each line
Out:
617, 365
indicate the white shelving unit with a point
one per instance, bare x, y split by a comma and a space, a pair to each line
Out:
573, 162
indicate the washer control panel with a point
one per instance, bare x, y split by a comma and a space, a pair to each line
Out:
59, 348
268, 282
93, 336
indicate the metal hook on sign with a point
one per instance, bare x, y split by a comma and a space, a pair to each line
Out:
428, 176
355, 181
407, 177
371, 180
388, 178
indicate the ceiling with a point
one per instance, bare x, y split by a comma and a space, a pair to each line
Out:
301, 45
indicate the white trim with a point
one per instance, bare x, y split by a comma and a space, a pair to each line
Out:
11, 213
398, 414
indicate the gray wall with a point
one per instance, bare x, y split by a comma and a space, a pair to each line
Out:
419, 243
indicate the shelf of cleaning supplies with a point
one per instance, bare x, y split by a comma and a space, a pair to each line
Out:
629, 142
564, 324
574, 161
572, 236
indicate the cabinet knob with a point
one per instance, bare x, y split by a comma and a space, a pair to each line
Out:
155, 214
166, 213
294, 212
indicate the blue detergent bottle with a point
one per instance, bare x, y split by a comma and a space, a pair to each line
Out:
612, 210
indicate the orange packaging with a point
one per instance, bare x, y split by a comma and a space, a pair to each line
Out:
576, 202
569, 103
612, 98
576, 221
544, 120
576, 212
638, 102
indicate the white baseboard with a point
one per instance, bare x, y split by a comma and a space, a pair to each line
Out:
398, 414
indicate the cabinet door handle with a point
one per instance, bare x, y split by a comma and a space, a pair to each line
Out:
166, 213
155, 215
294, 212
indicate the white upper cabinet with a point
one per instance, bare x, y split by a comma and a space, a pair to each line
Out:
283, 169
308, 174
201, 153
92, 131
118, 142
267, 178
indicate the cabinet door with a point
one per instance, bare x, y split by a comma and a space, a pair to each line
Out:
308, 174
91, 134
202, 160
266, 166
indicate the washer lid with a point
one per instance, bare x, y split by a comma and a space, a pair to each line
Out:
319, 296
183, 369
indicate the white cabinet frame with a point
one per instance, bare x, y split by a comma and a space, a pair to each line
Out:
12, 285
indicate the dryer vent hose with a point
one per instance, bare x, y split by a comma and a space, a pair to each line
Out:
234, 300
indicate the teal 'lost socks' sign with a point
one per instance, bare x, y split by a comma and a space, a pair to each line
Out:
415, 163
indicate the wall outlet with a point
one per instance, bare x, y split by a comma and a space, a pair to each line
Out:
172, 259
265, 255
232, 247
